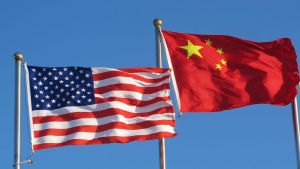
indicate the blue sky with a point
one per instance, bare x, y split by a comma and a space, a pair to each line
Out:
121, 34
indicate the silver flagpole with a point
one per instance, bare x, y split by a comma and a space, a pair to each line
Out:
17, 144
162, 150
296, 130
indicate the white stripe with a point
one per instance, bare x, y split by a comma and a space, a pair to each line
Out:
102, 106
127, 80
107, 133
149, 75
152, 75
134, 95
101, 121
97, 70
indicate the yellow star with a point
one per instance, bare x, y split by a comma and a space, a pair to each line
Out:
218, 66
223, 61
220, 51
192, 49
208, 42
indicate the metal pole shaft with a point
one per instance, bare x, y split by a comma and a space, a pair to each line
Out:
296, 130
162, 150
17, 142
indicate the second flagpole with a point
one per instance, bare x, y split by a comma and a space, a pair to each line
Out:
296, 130
162, 151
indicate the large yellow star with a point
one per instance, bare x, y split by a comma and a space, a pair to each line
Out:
192, 49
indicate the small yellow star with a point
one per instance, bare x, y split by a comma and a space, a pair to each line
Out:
192, 49
208, 42
223, 61
218, 66
220, 51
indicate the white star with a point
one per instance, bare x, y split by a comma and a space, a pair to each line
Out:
78, 92
46, 87
62, 90
77, 85
36, 96
54, 69
73, 96
40, 83
72, 82
87, 75
45, 78
68, 102
83, 96
33, 69
51, 91
82, 81
81, 71
49, 73
89, 100
60, 73
35, 87
37, 105
57, 96
40, 74
66, 78
72, 89
58, 104
50, 83
67, 93
55, 78
77, 77
56, 87
41, 92
63, 99
71, 73
67, 85
83, 89
88, 92
34, 78
78, 101
61, 81
42, 100
47, 97
88, 85
65, 69
75, 68
53, 101
48, 105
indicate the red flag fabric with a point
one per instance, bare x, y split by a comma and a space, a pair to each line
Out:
217, 72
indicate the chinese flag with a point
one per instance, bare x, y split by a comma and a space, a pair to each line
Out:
217, 72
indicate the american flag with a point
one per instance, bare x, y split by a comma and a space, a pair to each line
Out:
81, 106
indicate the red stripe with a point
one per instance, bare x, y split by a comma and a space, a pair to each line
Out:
103, 140
132, 88
146, 70
100, 128
132, 102
105, 75
98, 114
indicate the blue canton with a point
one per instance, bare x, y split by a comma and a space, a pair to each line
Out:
53, 88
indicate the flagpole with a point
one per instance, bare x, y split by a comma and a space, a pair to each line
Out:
162, 151
17, 142
296, 130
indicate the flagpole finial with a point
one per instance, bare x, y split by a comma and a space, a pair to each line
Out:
157, 22
18, 56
